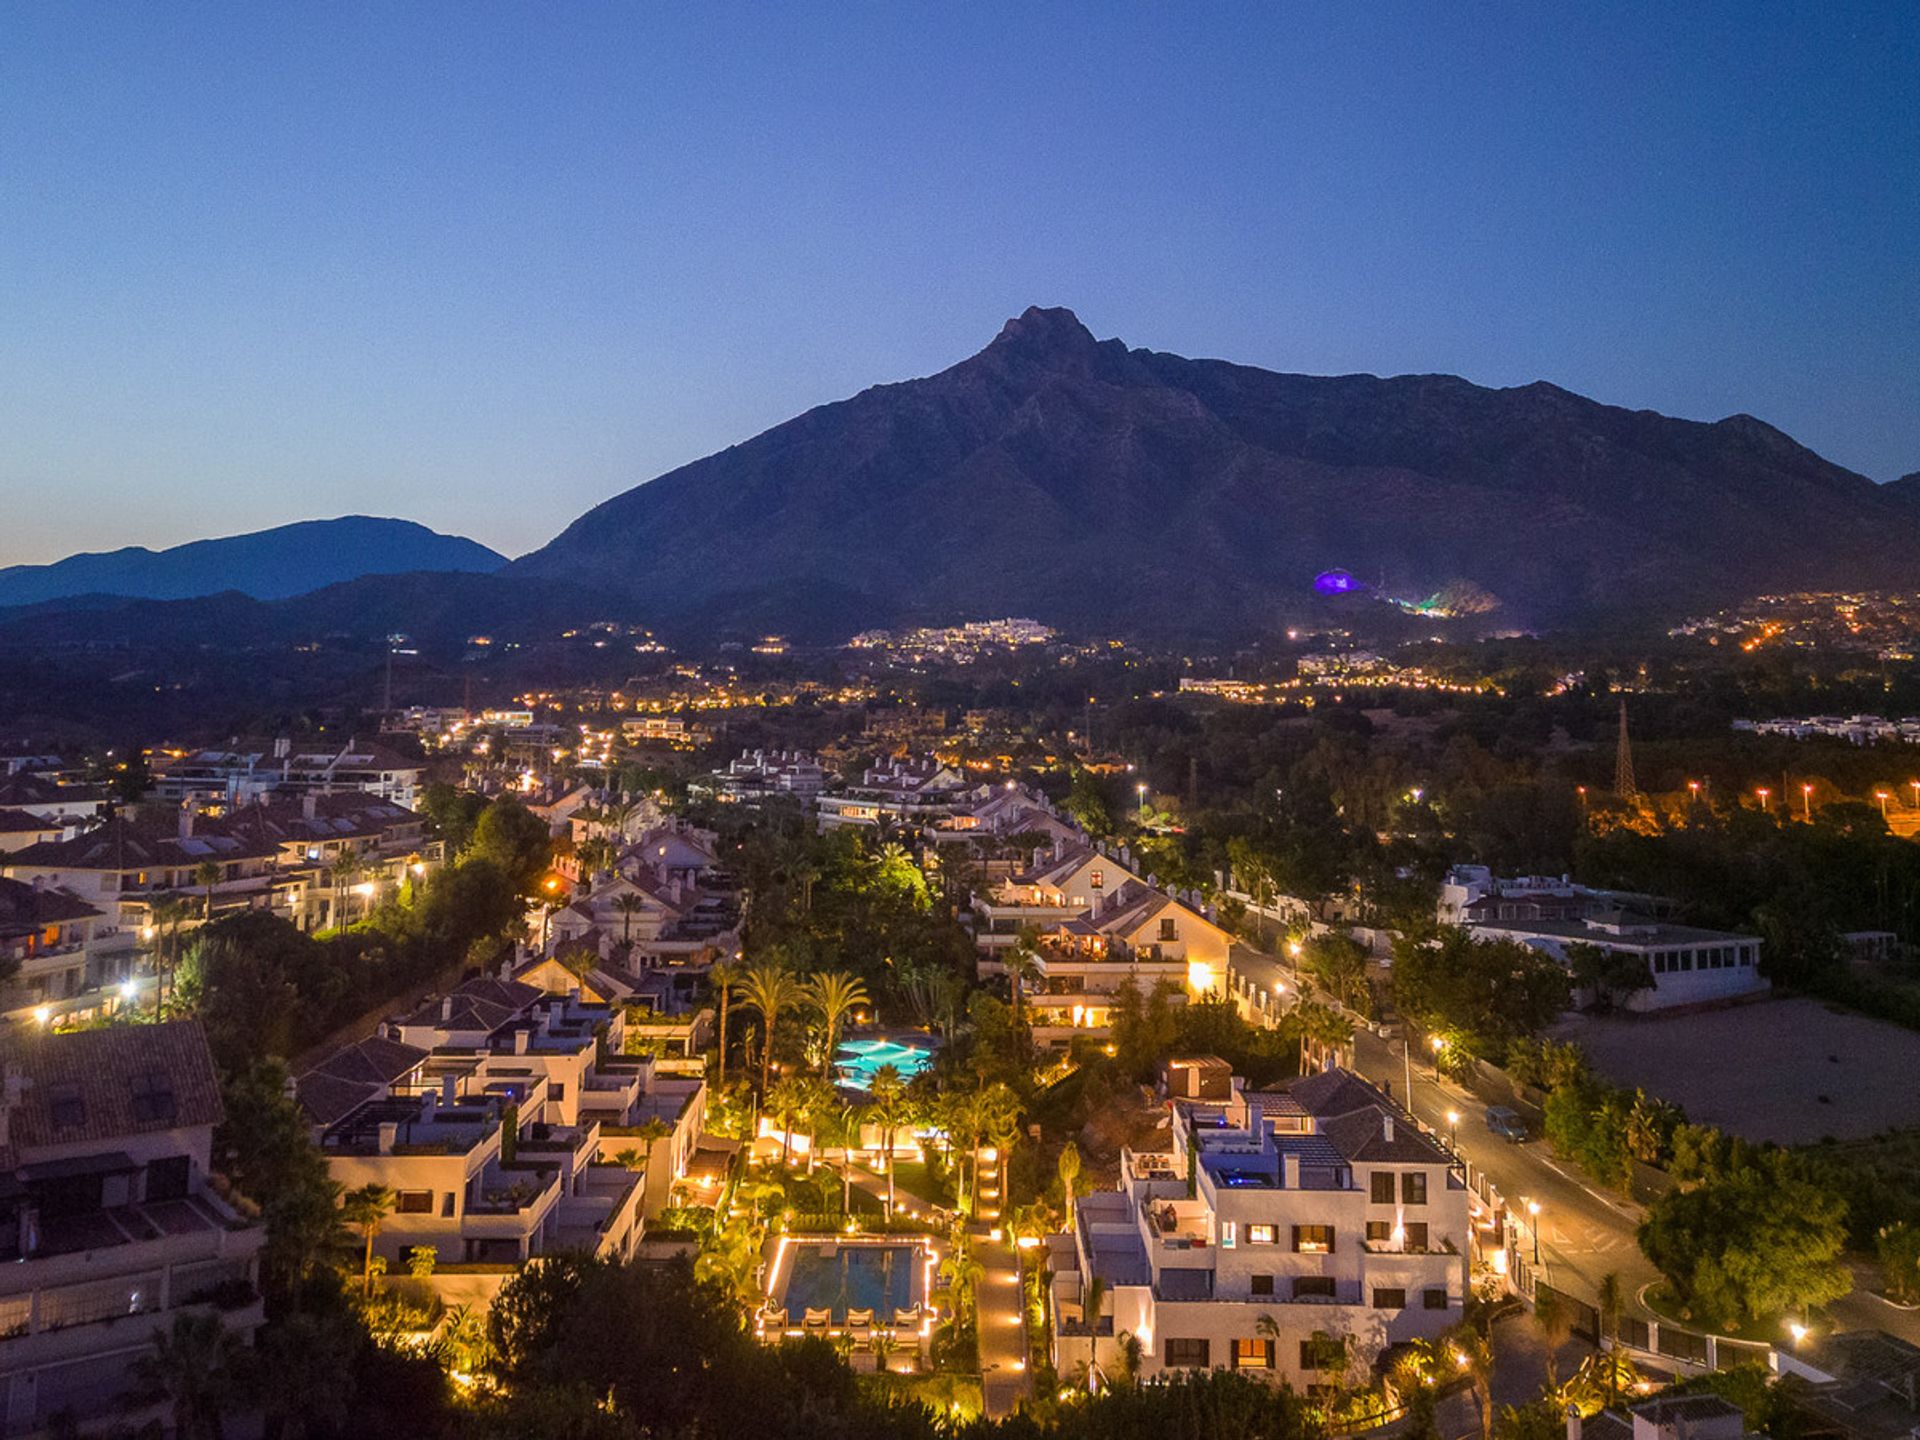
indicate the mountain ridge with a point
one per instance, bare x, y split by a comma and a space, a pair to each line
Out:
272, 564
1089, 483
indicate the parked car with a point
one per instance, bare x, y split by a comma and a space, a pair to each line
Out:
1506, 1123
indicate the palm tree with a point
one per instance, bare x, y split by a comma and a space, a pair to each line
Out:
1023, 968
889, 1094
722, 976
842, 1127
193, 1365
344, 867
1473, 1358
786, 1100
1069, 1168
1268, 1329
1095, 1297
1555, 1320
364, 1209
630, 905
834, 995
964, 1271
772, 991
207, 875
1612, 1304
168, 911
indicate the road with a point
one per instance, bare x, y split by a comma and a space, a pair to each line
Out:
1585, 1233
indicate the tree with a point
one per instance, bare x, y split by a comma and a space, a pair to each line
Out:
722, 976
364, 1209
514, 838
168, 911
195, 1366
786, 1100
207, 875
1612, 1305
1555, 1320
1898, 1249
1338, 965
629, 905
1022, 963
1751, 1244
1609, 975
1069, 1168
834, 995
343, 871
771, 991
1094, 1298
889, 1111
1489, 992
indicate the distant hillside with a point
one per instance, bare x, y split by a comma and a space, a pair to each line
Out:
267, 564
1088, 484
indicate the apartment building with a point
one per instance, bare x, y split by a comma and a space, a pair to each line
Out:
912, 791
243, 771
757, 774
109, 1225
1686, 965
1061, 885
1295, 1234
72, 964
1135, 937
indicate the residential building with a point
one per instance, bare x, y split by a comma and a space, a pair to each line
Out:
1858, 1384
1669, 1417
1062, 884
758, 774
1135, 938
1295, 1234
110, 1223
71, 806
242, 771
999, 813
912, 791
1686, 965
73, 964
19, 829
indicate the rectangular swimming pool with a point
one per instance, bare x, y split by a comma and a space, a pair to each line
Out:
856, 1060
837, 1277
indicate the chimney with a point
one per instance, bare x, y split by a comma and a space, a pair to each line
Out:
520, 1041
449, 1088
446, 1008
309, 806
389, 1136
186, 821
282, 747
1386, 1127
1290, 1170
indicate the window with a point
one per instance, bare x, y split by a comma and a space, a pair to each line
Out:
1313, 1239
1413, 1188
1263, 1285
1169, 929
152, 1096
1383, 1187
1416, 1234
413, 1202
1379, 1232
556, 1093
1184, 1353
1313, 1287
1323, 1352
446, 1205
1097, 879
65, 1107
1433, 1299
1253, 1354
1385, 1299
1261, 1235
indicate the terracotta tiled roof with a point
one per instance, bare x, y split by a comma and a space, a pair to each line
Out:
25, 908
19, 822
123, 844
97, 1085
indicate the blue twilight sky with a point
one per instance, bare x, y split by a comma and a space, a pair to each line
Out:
486, 264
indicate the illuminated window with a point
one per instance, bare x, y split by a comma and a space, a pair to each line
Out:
1261, 1235
1313, 1239
1253, 1354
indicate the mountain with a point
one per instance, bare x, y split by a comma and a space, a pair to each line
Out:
267, 564
1088, 484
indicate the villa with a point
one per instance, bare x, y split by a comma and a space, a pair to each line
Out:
1291, 1233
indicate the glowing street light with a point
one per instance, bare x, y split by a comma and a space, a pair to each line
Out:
1141, 790
1453, 1128
1806, 803
1883, 796
1533, 1211
1439, 1043
1763, 793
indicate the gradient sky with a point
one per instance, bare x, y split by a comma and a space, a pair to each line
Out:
484, 265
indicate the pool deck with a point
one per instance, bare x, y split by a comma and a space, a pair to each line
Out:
779, 1273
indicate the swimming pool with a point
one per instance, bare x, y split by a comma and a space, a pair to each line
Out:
841, 1276
855, 1061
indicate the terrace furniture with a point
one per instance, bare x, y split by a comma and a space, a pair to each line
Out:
774, 1317
907, 1319
816, 1320
860, 1319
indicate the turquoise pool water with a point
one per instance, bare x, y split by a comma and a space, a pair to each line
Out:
838, 1278
856, 1060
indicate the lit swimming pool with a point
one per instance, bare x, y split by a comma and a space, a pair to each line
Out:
856, 1060
843, 1276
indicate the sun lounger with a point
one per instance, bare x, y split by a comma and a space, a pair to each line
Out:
907, 1319
817, 1319
859, 1319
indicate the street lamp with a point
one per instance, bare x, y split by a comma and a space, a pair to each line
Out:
1533, 1211
1438, 1044
1763, 793
1806, 803
1693, 791
1141, 790
1882, 796
1453, 1129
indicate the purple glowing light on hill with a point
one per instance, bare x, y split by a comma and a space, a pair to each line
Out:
1335, 582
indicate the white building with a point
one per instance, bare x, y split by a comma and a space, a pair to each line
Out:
1318, 1214
1688, 966
109, 1228
1061, 885
244, 770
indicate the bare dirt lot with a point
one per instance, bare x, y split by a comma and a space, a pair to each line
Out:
1788, 1070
